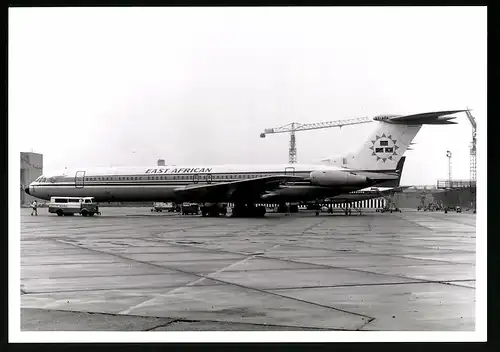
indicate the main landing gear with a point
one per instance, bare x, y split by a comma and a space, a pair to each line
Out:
214, 210
242, 210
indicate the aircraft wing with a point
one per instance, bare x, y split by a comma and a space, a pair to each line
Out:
248, 189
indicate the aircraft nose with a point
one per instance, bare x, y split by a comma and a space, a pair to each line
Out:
27, 190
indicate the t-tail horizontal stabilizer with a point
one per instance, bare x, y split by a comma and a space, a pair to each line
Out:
426, 118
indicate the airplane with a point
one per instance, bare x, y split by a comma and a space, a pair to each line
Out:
246, 185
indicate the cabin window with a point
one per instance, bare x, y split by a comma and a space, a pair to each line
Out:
74, 200
60, 200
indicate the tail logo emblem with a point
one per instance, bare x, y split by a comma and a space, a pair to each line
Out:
384, 147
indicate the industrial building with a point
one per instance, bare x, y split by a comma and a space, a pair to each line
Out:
31, 169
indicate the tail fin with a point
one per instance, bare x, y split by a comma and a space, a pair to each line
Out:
391, 140
385, 147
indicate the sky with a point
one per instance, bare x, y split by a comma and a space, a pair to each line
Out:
127, 86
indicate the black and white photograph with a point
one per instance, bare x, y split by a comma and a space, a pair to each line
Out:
253, 174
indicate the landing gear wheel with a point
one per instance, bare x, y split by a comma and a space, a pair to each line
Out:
243, 211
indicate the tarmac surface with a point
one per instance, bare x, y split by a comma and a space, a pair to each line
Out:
131, 269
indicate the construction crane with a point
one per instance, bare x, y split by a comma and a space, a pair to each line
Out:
472, 121
296, 127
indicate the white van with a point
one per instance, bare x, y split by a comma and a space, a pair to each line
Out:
86, 206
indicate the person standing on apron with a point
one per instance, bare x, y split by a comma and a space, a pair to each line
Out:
34, 209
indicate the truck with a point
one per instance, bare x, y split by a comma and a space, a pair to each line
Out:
85, 206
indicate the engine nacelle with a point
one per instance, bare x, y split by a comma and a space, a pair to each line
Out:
336, 178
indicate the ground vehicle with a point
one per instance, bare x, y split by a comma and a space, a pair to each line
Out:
86, 206
190, 208
213, 210
160, 206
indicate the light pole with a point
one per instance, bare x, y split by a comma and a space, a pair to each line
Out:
448, 155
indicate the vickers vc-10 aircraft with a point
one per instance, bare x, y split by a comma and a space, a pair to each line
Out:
245, 185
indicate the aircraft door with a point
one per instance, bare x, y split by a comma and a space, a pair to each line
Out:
209, 178
196, 178
79, 179
290, 171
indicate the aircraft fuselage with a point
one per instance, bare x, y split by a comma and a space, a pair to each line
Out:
161, 183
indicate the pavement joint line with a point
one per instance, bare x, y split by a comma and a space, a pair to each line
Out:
50, 264
416, 222
326, 266
450, 220
368, 322
315, 225
444, 262
454, 283
320, 265
128, 310
105, 289
359, 285
241, 286
87, 276
162, 325
35, 293
184, 320
446, 251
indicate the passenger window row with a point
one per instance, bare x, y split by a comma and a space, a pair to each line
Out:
191, 177
203, 177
